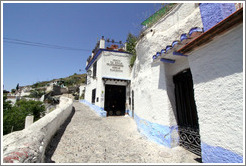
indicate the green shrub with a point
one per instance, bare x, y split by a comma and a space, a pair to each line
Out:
133, 58
36, 93
130, 47
15, 116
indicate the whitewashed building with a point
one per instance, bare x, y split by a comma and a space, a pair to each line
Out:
186, 86
108, 78
187, 81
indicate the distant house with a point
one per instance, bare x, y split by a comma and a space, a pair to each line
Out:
23, 91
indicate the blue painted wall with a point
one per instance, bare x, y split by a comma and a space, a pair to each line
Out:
215, 154
213, 13
100, 111
129, 113
158, 133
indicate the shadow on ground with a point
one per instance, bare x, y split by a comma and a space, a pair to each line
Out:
56, 139
199, 160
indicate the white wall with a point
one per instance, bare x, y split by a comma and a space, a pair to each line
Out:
81, 89
148, 80
217, 70
29, 145
91, 84
111, 59
99, 86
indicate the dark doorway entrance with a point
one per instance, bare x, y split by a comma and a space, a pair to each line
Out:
115, 98
93, 96
186, 112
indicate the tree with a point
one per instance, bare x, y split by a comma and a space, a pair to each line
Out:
131, 43
17, 87
130, 47
6, 104
5, 91
15, 116
13, 90
36, 93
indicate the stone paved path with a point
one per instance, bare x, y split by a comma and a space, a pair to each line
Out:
88, 138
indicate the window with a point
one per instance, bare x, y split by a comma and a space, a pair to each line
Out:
94, 69
93, 98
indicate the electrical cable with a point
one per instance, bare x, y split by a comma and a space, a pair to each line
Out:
38, 44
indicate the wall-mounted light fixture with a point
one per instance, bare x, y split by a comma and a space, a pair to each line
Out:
89, 73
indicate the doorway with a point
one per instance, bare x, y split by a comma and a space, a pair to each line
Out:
115, 99
187, 118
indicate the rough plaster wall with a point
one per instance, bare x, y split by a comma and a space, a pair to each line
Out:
28, 145
213, 13
217, 70
148, 80
227, 9
150, 94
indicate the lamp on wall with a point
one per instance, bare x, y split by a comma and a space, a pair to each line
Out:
89, 73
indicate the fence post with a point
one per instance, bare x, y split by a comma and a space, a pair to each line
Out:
29, 120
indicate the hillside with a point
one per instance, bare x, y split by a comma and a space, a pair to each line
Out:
73, 80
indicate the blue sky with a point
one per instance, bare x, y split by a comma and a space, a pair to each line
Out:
76, 25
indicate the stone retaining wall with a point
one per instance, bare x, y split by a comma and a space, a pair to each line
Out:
28, 145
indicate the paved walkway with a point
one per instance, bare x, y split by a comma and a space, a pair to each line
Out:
88, 138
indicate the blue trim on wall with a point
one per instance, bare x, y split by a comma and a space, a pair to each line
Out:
213, 13
216, 154
179, 54
129, 113
98, 53
158, 133
99, 110
167, 60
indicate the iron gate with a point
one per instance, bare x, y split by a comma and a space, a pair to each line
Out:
187, 118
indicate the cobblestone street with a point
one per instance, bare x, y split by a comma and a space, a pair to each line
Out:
88, 138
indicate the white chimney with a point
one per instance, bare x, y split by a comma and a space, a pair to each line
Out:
102, 43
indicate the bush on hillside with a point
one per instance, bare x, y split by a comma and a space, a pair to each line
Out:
14, 116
